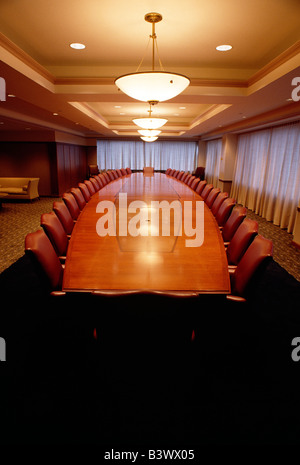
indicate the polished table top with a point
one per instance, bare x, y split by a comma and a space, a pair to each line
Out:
158, 259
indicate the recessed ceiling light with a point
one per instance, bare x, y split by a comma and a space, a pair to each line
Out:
10, 95
77, 46
122, 113
182, 108
118, 106
224, 48
55, 114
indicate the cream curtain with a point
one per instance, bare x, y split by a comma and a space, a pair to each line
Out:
137, 154
267, 174
213, 159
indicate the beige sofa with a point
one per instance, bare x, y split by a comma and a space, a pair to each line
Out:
19, 188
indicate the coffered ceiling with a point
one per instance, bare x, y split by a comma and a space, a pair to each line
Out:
72, 91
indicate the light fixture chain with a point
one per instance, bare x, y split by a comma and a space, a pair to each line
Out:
160, 63
141, 62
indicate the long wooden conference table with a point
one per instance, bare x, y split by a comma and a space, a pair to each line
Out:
138, 253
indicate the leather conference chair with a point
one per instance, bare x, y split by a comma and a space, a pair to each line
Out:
188, 177
115, 174
180, 175
195, 183
257, 255
168, 171
90, 186
102, 179
224, 211
218, 202
185, 175
212, 197
172, 172
148, 170
206, 191
95, 183
78, 197
241, 240
107, 178
71, 204
124, 172
84, 190
64, 216
128, 170
119, 173
200, 187
236, 217
111, 175
200, 172
191, 179
56, 233
44, 257
93, 170
175, 174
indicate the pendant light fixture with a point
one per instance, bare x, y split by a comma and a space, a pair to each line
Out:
151, 122
149, 132
152, 86
149, 139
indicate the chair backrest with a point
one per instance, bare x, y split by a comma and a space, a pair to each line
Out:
78, 197
84, 190
185, 175
206, 191
111, 176
241, 240
187, 178
71, 204
200, 187
64, 216
257, 253
175, 174
224, 211
119, 173
195, 183
103, 179
41, 251
115, 174
168, 171
212, 196
90, 186
106, 177
218, 202
148, 170
100, 180
128, 170
238, 214
93, 170
95, 183
55, 232
180, 175
200, 172
124, 172
190, 180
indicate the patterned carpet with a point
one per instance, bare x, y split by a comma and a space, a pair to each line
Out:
16, 220
19, 218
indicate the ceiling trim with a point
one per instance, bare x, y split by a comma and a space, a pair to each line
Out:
27, 60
